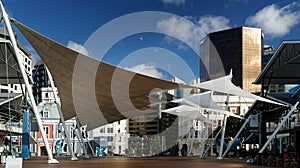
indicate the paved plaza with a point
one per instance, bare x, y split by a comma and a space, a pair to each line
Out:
151, 162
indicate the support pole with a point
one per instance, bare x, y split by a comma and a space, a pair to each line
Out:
236, 136
210, 145
192, 134
27, 85
279, 127
92, 150
25, 134
222, 137
223, 129
66, 135
159, 106
81, 141
204, 139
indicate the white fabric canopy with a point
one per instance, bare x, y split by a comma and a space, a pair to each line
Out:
224, 85
204, 100
188, 112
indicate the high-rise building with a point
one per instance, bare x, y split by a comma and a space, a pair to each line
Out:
40, 79
268, 52
239, 49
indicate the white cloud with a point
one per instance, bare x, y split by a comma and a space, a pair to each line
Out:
77, 47
180, 28
276, 21
174, 2
148, 70
191, 33
211, 23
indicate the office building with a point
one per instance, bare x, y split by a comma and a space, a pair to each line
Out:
239, 49
40, 79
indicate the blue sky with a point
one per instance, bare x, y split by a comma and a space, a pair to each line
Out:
171, 47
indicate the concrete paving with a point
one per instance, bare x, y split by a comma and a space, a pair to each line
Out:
150, 162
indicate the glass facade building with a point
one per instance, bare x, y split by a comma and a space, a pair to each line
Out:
239, 49
40, 79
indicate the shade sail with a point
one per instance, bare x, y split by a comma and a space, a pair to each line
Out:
224, 85
204, 100
96, 92
188, 112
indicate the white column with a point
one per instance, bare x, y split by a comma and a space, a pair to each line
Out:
27, 85
236, 136
81, 141
223, 129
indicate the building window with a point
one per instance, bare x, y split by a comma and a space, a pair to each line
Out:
102, 130
46, 95
109, 130
46, 129
110, 139
72, 132
196, 134
233, 110
46, 113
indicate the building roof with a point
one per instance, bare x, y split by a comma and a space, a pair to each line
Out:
94, 91
284, 66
